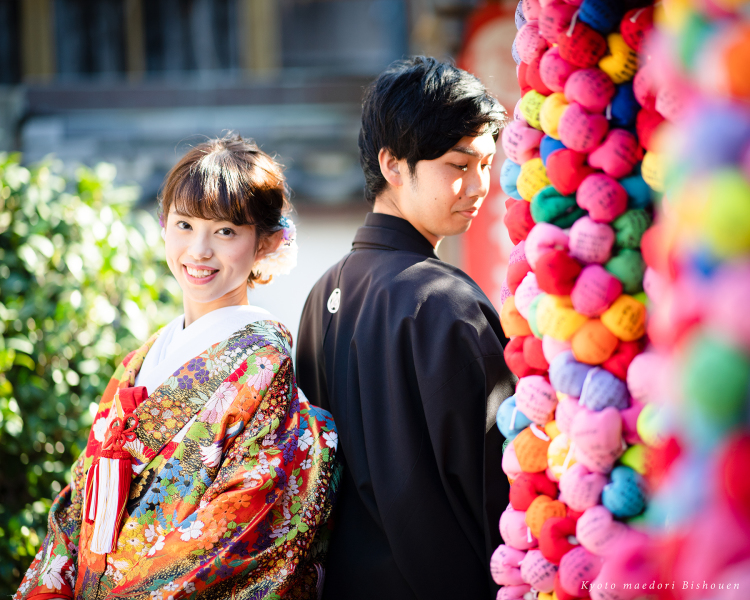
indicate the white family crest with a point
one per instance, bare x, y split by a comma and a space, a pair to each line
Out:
334, 301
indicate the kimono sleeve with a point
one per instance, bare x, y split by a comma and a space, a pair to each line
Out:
254, 534
52, 574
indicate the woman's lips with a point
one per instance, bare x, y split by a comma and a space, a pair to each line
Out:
199, 280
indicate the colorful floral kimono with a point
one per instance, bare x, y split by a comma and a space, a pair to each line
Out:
233, 479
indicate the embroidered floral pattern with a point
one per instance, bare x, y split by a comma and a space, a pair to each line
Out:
263, 373
219, 402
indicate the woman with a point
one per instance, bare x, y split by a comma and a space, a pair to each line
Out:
204, 476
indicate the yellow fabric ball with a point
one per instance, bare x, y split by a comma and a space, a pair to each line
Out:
533, 177
553, 108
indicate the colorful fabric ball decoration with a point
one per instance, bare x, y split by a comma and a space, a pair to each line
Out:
647, 165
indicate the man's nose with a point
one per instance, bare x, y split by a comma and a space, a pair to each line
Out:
479, 182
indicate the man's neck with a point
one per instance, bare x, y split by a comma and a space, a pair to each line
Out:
384, 204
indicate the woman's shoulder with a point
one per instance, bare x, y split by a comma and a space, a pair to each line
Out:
268, 334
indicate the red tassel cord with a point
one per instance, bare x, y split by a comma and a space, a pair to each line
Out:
89, 499
110, 484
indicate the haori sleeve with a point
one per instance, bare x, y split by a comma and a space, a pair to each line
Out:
467, 445
52, 573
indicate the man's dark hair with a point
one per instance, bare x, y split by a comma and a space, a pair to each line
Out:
418, 109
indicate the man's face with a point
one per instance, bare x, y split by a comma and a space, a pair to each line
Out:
444, 195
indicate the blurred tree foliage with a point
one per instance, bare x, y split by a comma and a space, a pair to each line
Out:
82, 282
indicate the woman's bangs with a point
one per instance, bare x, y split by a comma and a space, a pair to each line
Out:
211, 196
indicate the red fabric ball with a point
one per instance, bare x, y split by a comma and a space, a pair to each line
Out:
635, 25
651, 248
522, 71
553, 539
527, 486
518, 219
644, 87
583, 47
655, 254
556, 272
515, 359
735, 483
618, 363
534, 77
516, 272
533, 354
566, 169
646, 123
659, 460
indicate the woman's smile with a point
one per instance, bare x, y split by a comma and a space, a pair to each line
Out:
199, 274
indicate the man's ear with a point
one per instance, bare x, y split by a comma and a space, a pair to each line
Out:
269, 245
390, 167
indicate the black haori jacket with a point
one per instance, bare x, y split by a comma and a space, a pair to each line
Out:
406, 351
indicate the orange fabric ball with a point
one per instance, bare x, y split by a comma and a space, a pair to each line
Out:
541, 509
593, 343
531, 450
512, 321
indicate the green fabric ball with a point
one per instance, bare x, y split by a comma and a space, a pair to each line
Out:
716, 386
692, 38
506, 443
628, 267
643, 299
638, 521
727, 223
629, 228
549, 206
532, 315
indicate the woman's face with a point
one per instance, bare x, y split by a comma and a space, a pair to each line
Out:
211, 261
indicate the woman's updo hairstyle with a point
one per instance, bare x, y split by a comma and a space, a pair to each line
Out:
228, 179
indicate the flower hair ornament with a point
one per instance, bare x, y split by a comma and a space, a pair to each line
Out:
284, 259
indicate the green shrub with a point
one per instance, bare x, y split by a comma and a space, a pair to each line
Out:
82, 282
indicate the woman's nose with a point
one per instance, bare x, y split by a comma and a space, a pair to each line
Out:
200, 248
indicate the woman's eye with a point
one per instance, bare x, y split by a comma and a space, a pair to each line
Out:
226, 231
183, 225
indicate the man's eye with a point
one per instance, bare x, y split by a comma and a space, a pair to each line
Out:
462, 167
487, 166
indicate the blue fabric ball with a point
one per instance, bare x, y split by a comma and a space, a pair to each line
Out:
509, 173
514, 53
639, 194
567, 375
520, 19
624, 107
625, 495
511, 421
719, 138
548, 146
602, 389
602, 15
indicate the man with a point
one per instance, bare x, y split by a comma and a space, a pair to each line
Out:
406, 351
